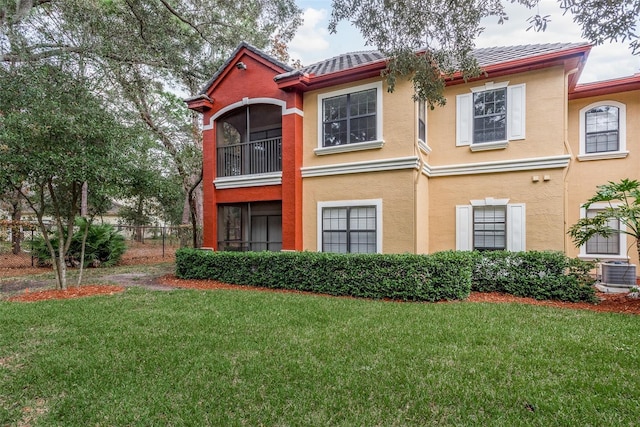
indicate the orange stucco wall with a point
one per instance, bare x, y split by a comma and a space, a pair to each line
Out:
233, 86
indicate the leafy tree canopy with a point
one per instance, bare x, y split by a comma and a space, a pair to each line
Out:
446, 31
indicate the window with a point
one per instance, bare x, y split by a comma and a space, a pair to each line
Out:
604, 245
603, 131
350, 119
490, 116
350, 227
612, 247
422, 125
489, 228
491, 224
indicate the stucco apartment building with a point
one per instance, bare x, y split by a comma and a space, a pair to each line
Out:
326, 159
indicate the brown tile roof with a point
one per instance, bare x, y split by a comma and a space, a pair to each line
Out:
485, 56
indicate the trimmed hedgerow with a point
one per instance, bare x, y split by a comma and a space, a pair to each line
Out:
540, 275
441, 276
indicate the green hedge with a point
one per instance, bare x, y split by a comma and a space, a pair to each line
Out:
540, 275
441, 276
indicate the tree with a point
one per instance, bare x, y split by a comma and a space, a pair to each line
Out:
143, 50
444, 33
623, 206
56, 135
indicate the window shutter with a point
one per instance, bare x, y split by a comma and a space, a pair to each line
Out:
516, 113
464, 227
464, 119
516, 227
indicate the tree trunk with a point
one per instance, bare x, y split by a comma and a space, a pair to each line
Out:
16, 232
83, 247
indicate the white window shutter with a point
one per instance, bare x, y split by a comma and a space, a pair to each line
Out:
464, 227
464, 119
516, 227
516, 114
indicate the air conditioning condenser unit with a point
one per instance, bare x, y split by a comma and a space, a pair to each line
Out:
618, 275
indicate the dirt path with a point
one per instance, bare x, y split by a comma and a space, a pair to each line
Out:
145, 276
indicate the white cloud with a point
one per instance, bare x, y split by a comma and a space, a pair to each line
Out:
312, 38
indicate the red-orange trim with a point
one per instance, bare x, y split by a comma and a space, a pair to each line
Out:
606, 87
569, 59
306, 82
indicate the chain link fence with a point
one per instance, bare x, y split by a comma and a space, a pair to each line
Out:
145, 244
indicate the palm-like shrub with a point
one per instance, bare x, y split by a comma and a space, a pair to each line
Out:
104, 247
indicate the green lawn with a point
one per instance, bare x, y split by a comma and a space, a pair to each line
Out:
255, 358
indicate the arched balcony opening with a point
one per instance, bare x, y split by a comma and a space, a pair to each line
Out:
249, 141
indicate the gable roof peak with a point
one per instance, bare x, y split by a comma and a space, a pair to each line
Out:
243, 46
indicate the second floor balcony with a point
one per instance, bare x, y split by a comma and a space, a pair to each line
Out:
249, 158
249, 141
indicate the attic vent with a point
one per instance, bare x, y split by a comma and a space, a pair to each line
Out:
618, 274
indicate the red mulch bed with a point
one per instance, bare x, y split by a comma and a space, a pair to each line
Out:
72, 292
617, 303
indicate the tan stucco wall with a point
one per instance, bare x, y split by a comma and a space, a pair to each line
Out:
395, 188
423, 224
544, 205
584, 176
398, 126
545, 112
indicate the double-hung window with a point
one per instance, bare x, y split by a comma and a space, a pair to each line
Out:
349, 226
350, 119
422, 121
611, 247
491, 224
490, 116
489, 228
603, 131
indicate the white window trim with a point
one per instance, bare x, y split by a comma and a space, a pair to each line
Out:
367, 145
516, 231
622, 241
516, 116
622, 133
422, 145
349, 204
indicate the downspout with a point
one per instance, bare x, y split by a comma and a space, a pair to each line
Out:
571, 156
421, 162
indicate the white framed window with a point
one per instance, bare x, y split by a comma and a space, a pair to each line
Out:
350, 119
603, 131
350, 226
491, 224
421, 120
490, 116
612, 247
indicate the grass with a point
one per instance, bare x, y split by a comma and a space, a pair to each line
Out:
256, 358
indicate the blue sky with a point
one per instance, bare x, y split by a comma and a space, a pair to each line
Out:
314, 43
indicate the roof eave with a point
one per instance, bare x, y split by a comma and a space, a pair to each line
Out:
571, 59
200, 103
305, 82
606, 87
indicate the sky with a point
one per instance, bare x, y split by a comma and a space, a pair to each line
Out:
313, 42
